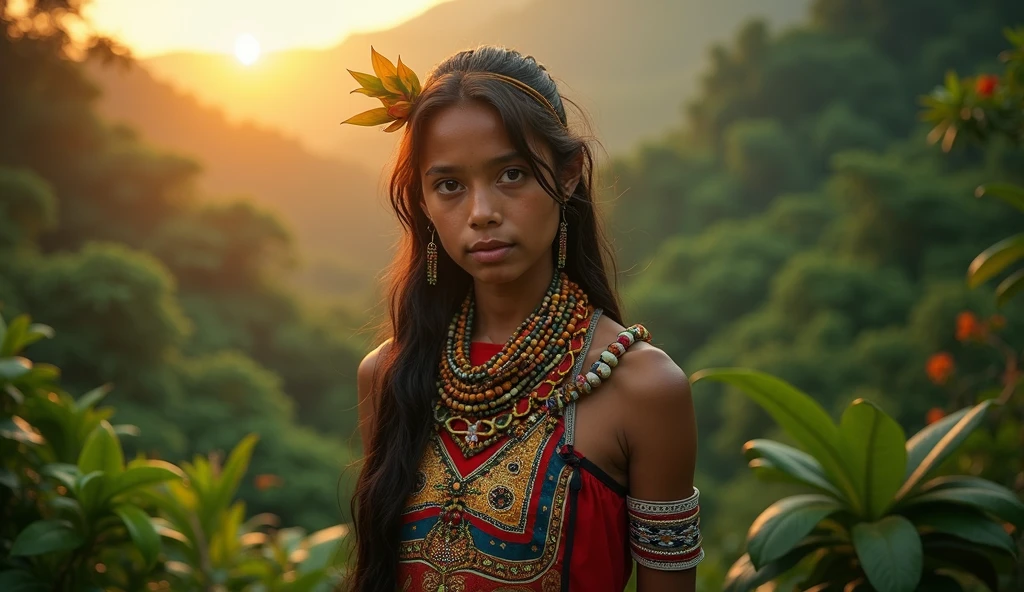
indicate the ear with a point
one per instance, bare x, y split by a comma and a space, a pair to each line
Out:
572, 173
423, 206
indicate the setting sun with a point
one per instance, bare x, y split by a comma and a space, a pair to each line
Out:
247, 49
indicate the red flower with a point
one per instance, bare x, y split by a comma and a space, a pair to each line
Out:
940, 367
967, 326
266, 481
985, 85
934, 414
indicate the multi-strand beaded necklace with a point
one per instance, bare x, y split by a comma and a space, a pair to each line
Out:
477, 404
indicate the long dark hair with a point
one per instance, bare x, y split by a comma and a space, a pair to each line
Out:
406, 370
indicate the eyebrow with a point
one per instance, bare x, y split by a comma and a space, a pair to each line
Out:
445, 169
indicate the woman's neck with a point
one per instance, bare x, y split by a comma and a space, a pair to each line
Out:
501, 308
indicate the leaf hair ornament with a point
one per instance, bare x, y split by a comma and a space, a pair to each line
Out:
398, 87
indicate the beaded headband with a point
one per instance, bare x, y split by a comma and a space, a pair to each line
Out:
398, 87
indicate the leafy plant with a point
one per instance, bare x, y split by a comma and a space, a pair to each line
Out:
983, 107
75, 516
210, 545
877, 517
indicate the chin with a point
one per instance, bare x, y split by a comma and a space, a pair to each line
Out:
496, 274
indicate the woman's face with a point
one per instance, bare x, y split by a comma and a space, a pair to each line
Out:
492, 216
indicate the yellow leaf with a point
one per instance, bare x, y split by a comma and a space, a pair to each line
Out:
386, 71
397, 125
409, 79
376, 116
371, 93
367, 81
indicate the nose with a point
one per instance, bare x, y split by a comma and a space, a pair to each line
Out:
485, 208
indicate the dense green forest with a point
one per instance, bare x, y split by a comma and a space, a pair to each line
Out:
797, 221
175, 302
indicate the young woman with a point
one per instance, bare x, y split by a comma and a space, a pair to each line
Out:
501, 452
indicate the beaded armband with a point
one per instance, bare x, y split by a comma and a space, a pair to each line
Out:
665, 535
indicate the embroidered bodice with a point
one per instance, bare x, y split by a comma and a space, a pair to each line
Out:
532, 513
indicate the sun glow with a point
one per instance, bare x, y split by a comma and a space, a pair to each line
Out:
247, 49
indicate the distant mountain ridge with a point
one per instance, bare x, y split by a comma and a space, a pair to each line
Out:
272, 131
331, 206
629, 64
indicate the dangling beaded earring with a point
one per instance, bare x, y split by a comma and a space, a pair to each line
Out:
431, 260
563, 240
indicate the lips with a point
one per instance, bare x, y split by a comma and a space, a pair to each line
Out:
488, 245
490, 251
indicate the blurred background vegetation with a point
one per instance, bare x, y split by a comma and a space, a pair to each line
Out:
770, 186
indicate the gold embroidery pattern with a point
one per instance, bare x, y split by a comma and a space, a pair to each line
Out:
441, 474
448, 548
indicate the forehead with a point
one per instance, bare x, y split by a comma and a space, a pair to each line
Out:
466, 133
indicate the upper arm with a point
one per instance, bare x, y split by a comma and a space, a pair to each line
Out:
367, 394
661, 437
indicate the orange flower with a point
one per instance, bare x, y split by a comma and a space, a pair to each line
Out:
940, 367
967, 326
266, 481
985, 85
934, 415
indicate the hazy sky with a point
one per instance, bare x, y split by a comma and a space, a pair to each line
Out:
152, 27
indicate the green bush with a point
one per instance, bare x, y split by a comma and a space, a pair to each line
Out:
878, 518
76, 516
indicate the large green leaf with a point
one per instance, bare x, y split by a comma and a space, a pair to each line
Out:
46, 536
90, 490
797, 464
1009, 287
102, 452
14, 368
798, 414
224, 490
890, 553
92, 397
876, 454
155, 471
744, 577
21, 581
964, 523
1009, 193
140, 528
14, 336
66, 474
929, 447
995, 259
949, 553
974, 492
785, 523
322, 548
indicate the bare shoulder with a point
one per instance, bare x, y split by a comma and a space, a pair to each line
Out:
656, 418
653, 377
368, 366
366, 393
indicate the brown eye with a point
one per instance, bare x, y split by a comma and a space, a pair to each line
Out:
448, 186
513, 175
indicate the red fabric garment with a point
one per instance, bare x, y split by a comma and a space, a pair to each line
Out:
592, 527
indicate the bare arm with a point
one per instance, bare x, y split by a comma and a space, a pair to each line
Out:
661, 434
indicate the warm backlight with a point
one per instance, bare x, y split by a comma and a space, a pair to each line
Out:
247, 49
